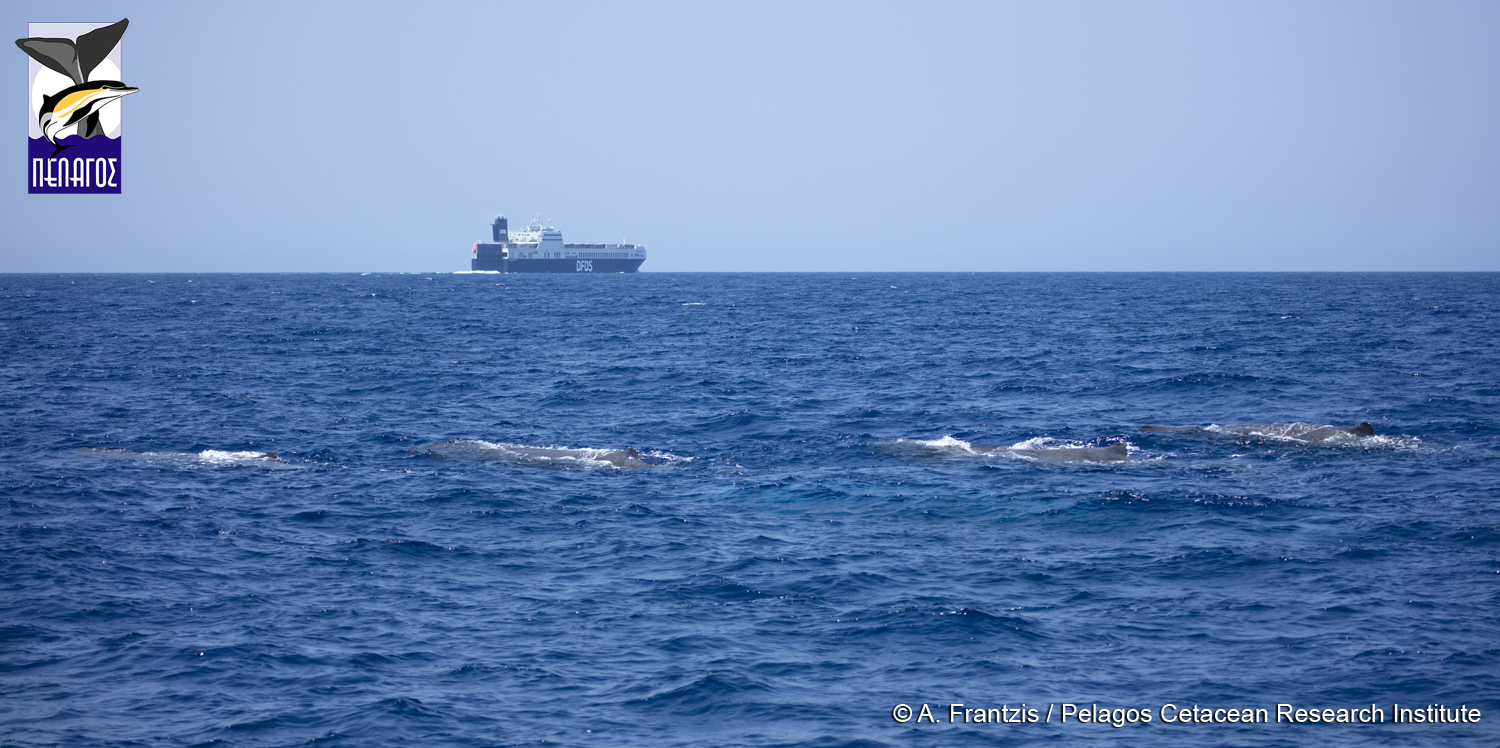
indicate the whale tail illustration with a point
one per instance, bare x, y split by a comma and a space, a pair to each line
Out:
77, 60
89, 127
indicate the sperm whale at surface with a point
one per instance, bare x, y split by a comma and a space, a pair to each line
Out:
627, 457
552, 456
1116, 452
1303, 432
1032, 449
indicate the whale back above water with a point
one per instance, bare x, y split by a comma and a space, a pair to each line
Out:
1031, 449
207, 457
1116, 452
1304, 432
558, 457
627, 457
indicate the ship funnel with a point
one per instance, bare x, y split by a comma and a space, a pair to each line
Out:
501, 230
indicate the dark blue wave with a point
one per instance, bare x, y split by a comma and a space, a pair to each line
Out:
272, 510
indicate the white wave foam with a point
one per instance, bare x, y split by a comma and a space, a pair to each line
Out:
217, 455
1392, 441
665, 458
947, 444
1048, 442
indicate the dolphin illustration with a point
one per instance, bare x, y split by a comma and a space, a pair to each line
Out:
1302, 432
79, 104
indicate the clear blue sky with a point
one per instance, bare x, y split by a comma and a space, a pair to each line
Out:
799, 136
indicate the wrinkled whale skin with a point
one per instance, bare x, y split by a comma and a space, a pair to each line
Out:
1117, 452
622, 458
1311, 433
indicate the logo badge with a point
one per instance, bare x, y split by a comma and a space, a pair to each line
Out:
75, 80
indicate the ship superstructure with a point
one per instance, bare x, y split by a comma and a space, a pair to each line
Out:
540, 249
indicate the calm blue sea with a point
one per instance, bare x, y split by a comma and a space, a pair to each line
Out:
288, 510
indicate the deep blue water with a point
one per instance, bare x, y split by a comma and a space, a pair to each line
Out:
814, 543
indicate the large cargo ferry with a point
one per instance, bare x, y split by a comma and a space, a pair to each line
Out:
540, 249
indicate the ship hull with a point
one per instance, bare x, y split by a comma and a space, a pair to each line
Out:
502, 258
558, 266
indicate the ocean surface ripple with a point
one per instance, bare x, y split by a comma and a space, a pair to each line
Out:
378, 510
